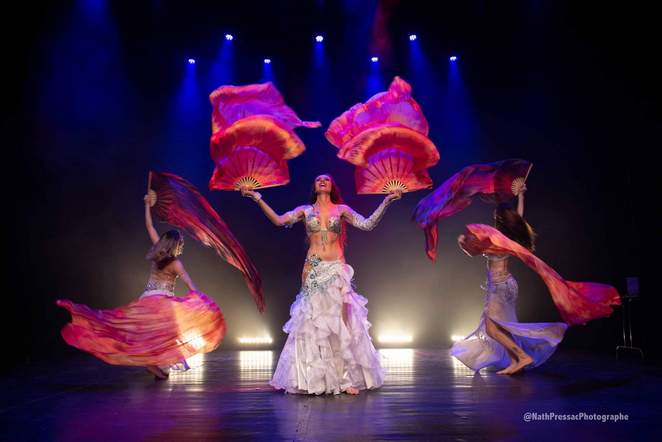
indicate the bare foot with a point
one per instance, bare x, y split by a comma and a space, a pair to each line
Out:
352, 390
509, 369
157, 372
523, 362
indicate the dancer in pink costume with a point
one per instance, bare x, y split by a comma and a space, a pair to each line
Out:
159, 330
329, 349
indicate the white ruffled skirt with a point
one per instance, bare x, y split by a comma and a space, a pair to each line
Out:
538, 339
323, 354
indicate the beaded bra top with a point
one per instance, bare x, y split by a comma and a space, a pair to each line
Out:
314, 223
159, 280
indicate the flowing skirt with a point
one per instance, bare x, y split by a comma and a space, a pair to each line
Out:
538, 339
323, 353
160, 329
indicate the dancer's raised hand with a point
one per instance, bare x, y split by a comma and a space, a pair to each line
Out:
255, 196
393, 195
150, 198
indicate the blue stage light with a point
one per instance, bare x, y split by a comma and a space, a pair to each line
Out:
229, 37
374, 59
412, 37
452, 58
319, 38
267, 61
191, 61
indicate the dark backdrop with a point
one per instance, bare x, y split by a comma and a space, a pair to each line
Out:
101, 93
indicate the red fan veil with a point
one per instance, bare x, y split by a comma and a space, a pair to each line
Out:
252, 137
492, 182
386, 138
180, 204
154, 330
577, 302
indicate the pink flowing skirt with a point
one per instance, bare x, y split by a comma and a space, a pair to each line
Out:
159, 329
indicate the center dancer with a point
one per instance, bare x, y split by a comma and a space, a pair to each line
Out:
328, 350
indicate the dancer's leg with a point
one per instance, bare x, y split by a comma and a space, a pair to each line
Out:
157, 372
519, 357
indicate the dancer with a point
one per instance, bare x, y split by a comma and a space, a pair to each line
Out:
328, 350
159, 329
500, 340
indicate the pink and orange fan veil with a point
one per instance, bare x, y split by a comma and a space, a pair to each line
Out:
492, 182
252, 137
387, 139
180, 204
577, 302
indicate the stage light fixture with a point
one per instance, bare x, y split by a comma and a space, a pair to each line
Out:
267, 61
191, 61
412, 37
452, 58
319, 38
229, 37
253, 340
374, 59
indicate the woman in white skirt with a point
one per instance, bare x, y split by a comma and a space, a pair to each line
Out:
500, 340
328, 350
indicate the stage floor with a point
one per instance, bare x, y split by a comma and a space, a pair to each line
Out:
427, 396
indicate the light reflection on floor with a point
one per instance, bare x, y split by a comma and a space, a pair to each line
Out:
255, 365
194, 375
398, 362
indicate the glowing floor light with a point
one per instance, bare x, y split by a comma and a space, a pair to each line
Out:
267, 61
191, 61
374, 59
412, 37
319, 38
253, 340
398, 362
452, 58
229, 37
395, 338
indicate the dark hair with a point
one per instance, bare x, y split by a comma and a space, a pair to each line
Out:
166, 249
336, 198
511, 224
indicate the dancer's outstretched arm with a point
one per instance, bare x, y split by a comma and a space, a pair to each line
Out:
520, 200
358, 221
150, 200
181, 271
286, 219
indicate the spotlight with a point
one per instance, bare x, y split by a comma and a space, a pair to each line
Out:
319, 39
229, 37
191, 61
412, 37
374, 59
457, 338
395, 339
267, 61
256, 340
452, 58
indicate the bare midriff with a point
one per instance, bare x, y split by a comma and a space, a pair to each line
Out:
328, 250
497, 270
